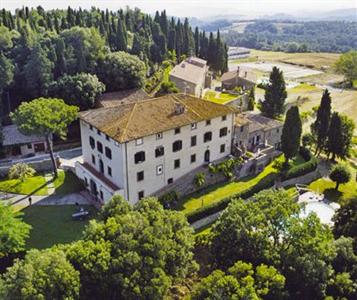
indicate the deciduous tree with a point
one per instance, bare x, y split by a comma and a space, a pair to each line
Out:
13, 231
347, 65
340, 174
43, 274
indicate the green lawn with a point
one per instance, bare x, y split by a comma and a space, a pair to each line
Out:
35, 185
304, 88
219, 192
53, 224
327, 187
67, 183
221, 98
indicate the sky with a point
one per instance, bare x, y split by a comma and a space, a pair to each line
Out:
196, 8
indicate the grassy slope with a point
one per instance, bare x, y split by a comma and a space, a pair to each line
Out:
53, 224
221, 191
34, 185
67, 183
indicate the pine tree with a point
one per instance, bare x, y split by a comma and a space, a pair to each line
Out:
321, 126
291, 135
275, 95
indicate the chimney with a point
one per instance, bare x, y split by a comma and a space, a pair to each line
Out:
179, 108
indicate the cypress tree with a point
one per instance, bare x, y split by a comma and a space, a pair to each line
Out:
275, 95
121, 36
60, 65
321, 126
340, 134
251, 99
197, 41
291, 135
212, 49
164, 23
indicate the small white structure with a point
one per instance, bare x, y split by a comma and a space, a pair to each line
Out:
316, 203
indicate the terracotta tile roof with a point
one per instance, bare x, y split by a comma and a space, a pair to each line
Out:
122, 97
192, 70
135, 120
256, 121
100, 176
244, 74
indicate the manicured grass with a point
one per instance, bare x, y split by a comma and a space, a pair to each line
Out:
53, 224
220, 98
327, 187
219, 192
34, 185
67, 183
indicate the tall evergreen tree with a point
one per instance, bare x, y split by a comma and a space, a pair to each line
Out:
275, 95
60, 64
212, 50
340, 134
251, 99
121, 36
197, 41
291, 135
321, 126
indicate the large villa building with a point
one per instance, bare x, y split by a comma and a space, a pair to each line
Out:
136, 149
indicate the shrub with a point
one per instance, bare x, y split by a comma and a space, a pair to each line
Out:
340, 174
305, 153
169, 200
21, 171
302, 169
200, 179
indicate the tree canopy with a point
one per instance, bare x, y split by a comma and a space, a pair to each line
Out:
81, 90
45, 274
13, 231
275, 95
340, 174
44, 117
347, 65
133, 252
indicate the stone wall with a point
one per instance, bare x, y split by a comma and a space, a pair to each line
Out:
40, 167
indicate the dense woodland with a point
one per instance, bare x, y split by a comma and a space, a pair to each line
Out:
319, 36
44, 53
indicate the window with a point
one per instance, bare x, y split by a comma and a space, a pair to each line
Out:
177, 146
93, 159
101, 166
140, 176
207, 137
100, 147
29, 146
193, 158
241, 128
141, 195
159, 170
159, 136
193, 141
193, 126
159, 151
139, 157
101, 195
223, 131
277, 130
98, 132
223, 148
107, 137
170, 180
109, 171
208, 122
91, 127
139, 141
91, 142
177, 130
108, 152
176, 163
224, 118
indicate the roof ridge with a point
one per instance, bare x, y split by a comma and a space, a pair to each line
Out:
196, 113
130, 117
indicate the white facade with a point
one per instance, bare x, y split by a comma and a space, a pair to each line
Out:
121, 174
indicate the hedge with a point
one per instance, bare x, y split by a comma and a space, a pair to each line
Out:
207, 210
263, 184
302, 169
